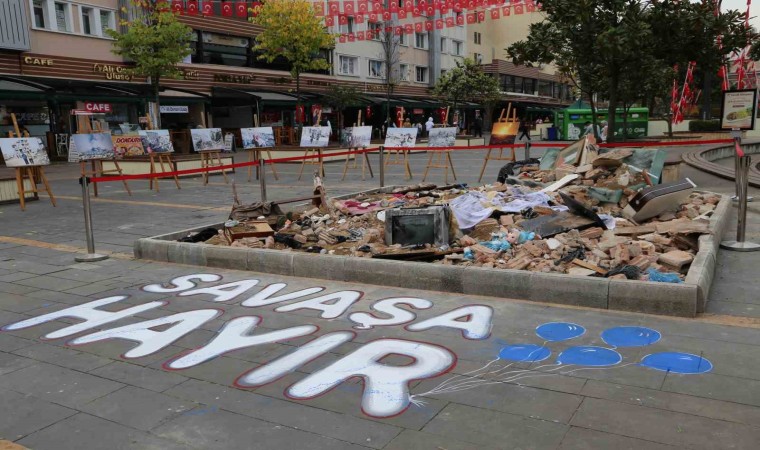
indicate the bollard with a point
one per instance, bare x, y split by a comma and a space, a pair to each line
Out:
382, 166
527, 149
742, 177
91, 256
262, 180
738, 141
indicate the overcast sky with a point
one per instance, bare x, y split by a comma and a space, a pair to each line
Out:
741, 5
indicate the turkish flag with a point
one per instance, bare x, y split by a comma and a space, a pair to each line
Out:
471, 18
449, 22
530, 7
359, 35
481, 3
430, 10
333, 7
445, 9
207, 9
368, 112
402, 14
460, 19
386, 15
398, 31
319, 9
408, 28
456, 6
241, 9
329, 21
408, 5
373, 17
256, 9
178, 7
416, 11
362, 6
377, 7
343, 20
359, 18
192, 7
495, 13
439, 24
348, 7
481, 16
351, 37
518, 9
505, 11
342, 38
428, 25
471, 4
418, 27
394, 7
227, 9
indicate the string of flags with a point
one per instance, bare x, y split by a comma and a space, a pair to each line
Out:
688, 96
337, 12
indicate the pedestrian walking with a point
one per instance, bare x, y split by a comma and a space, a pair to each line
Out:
524, 129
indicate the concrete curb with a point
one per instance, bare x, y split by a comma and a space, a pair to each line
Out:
685, 299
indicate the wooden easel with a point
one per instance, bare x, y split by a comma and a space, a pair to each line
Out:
96, 165
254, 154
207, 162
399, 157
319, 161
28, 172
512, 157
162, 158
442, 158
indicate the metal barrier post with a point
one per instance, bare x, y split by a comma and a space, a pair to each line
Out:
740, 245
91, 256
382, 166
262, 180
527, 149
737, 135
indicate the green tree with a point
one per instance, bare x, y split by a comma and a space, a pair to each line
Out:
605, 47
467, 81
155, 41
341, 97
292, 31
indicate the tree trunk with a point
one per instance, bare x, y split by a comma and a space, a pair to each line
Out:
612, 108
593, 112
625, 121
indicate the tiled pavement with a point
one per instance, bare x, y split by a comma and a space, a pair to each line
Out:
55, 396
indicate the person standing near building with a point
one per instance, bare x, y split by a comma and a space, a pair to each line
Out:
524, 129
603, 133
477, 126
429, 125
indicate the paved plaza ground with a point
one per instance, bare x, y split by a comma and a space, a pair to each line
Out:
118, 393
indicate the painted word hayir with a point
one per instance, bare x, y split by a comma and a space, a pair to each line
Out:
386, 390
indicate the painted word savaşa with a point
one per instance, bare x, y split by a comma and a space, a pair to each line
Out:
386, 387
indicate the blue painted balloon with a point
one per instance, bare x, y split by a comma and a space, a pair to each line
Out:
630, 336
676, 362
559, 331
524, 353
589, 356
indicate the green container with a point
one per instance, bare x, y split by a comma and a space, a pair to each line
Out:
571, 122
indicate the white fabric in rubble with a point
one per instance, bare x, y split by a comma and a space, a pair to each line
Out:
474, 207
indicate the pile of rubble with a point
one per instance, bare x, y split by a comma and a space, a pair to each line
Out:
582, 223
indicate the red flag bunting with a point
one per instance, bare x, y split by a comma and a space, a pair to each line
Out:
348, 7
373, 17
471, 18
333, 7
207, 9
386, 16
343, 20
363, 6
359, 35
518, 9
408, 28
481, 16
418, 27
495, 13
460, 19
351, 37
401, 14
429, 25
377, 7
505, 11
319, 8
342, 38
359, 18
192, 7
241, 9
227, 9
438, 24
329, 21
449, 22
178, 7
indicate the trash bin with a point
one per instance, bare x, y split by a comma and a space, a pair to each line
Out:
552, 133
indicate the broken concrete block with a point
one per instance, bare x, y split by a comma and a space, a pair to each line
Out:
553, 244
507, 220
676, 258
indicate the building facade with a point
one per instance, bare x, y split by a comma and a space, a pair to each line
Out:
55, 58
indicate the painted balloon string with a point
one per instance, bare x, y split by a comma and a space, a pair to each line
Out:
587, 357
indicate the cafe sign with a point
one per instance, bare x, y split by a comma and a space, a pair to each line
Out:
94, 107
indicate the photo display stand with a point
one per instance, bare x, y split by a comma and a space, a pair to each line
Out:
32, 173
442, 157
209, 160
163, 158
512, 124
399, 157
364, 156
254, 154
313, 148
209, 143
84, 126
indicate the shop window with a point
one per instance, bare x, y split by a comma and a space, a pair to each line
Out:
477, 37
458, 47
348, 65
404, 72
376, 69
443, 45
421, 40
545, 88
224, 50
421, 74
530, 86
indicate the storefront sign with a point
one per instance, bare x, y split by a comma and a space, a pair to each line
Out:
277, 80
97, 107
418, 111
738, 110
191, 75
31, 61
112, 71
372, 87
317, 83
237, 79
167, 109
221, 39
